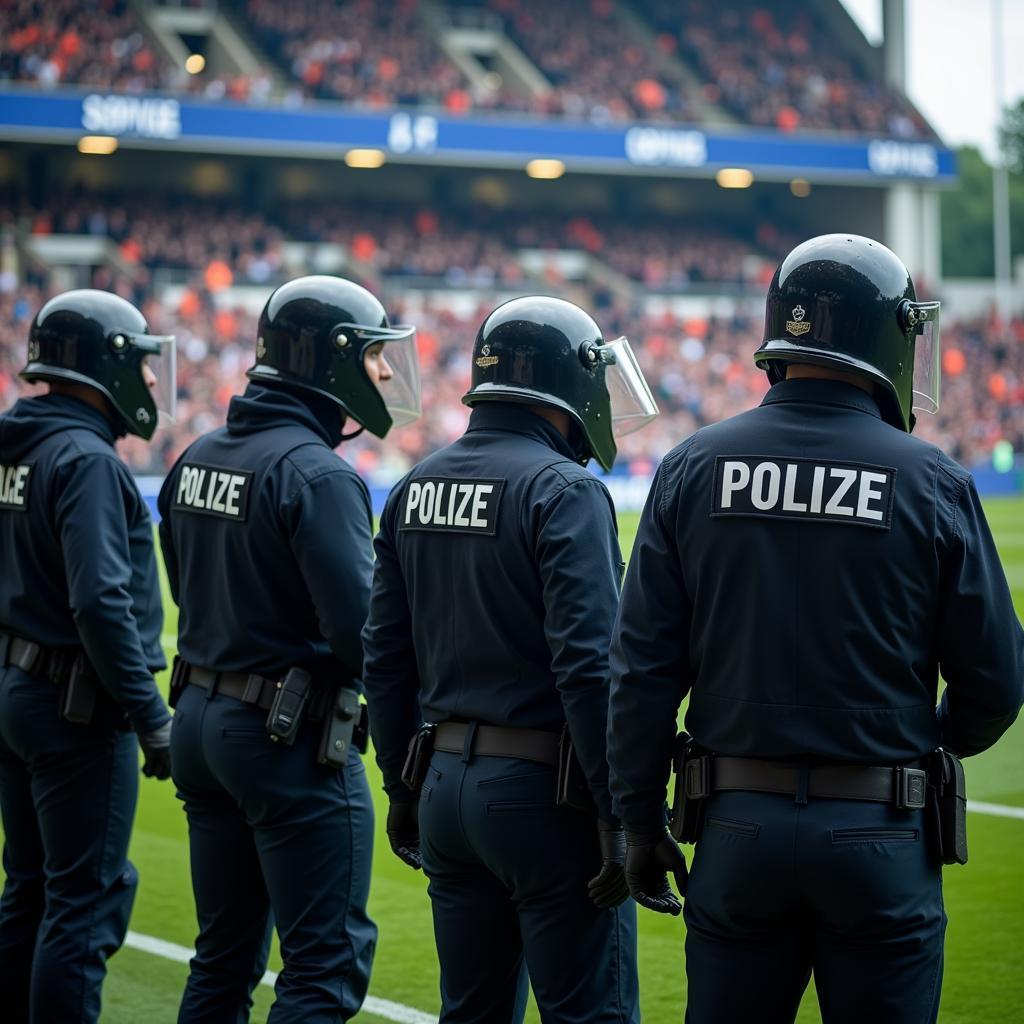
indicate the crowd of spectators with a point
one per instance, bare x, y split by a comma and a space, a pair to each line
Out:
773, 64
472, 246
700, 371
777, 65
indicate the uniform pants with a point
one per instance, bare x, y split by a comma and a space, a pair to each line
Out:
68, 795
841, 888
272, 831
508, 874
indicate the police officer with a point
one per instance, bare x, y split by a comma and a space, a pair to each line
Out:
266, 535
80, 622
495, 589
804, 571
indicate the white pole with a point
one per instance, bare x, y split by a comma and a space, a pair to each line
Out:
1000, 175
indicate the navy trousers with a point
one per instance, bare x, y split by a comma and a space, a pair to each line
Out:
842, 889
68, 795
272, 832
508, 874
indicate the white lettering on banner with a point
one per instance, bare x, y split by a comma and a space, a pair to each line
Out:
408, 133
783, 488
218, 492
669, 146
14, 486
907, 159
148, 117
441, 504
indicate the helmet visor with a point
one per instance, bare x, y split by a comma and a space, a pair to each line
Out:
927, 357
161, 360
401, 390
633, 405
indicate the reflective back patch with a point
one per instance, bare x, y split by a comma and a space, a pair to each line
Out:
213, 491
14, 486
824, 491
452, 505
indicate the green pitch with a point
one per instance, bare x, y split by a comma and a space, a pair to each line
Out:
984, 977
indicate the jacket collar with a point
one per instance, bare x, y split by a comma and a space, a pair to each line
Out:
823, 392
513, 418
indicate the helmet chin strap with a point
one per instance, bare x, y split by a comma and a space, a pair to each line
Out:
352, 433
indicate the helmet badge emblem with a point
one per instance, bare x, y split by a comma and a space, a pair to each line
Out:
33, 351
798, 325
485, 359
141, 415
261, 348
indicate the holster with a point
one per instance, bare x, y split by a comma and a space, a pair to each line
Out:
289, 706
692, 767
421, 749
341, 720
946, 808
571, 786
78, 692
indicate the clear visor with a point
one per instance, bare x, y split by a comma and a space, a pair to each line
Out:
161, 361
633, 405
927, 358
399, 366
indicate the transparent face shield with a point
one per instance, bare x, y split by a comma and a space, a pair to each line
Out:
161, 360
923, 318
394, 367
633, 405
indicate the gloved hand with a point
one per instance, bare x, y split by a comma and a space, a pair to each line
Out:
649, 856
156, 751
608, 888
404, 831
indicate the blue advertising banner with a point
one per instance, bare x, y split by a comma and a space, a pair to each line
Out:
415, 136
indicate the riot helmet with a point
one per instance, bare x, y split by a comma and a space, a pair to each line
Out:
848, 302
313, 335
539, 350
99, 339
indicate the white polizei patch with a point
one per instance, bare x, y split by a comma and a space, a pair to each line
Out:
181, 955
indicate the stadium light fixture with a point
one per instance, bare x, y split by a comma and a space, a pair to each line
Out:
367, 158
97, 145
800, 187
195, 63
734, 177
549, 169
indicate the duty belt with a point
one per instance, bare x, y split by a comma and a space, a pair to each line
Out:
53, 663
248, 687
497, 741
905, 787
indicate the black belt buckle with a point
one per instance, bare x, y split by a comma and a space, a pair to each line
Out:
698, 778
911, 788
30, 657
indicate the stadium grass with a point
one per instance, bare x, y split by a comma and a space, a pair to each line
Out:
984, 974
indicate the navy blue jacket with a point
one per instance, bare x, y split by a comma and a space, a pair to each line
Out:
266, 535
494, 593
804, 571
76, 542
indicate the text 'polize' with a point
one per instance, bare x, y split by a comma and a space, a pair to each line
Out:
14, 486
451, 505
213, 491
831, 492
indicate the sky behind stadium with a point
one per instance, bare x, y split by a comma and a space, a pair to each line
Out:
950, 62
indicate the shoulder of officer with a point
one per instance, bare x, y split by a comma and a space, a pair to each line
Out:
306, 464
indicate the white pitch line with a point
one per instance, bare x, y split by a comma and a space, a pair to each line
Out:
181, 955
998, 810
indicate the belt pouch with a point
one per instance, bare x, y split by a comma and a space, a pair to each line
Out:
571, 785
947, 808
340, 722
692, 787
289, 705
421, 748
78, 694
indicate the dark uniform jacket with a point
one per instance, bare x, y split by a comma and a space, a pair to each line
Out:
804, 571
266, 535
76, 543
494, 593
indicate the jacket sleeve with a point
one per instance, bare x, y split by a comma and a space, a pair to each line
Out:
92, 525
577, 555
390, 675
981, 643
330, 530
163, 504
649, 668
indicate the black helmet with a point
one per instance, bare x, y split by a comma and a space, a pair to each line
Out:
848, 302
99, 339
545, 351
313, 334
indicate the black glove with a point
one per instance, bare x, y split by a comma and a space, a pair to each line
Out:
649, 856
156, 751
608, 888
404, 831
